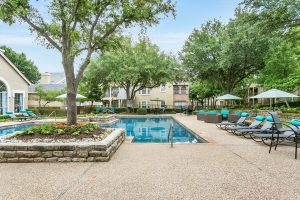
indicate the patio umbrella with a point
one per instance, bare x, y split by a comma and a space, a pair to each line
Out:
273, 94
228, 97
64, 96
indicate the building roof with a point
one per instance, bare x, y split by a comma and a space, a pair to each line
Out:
14, 67
47, 87
57, 78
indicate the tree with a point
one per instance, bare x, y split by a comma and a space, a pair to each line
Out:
225, 54
79, 28
27, 67
91, 87
202, 90
274, 14
282, 65
47, 95
135, 66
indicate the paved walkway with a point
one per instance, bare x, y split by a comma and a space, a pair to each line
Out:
229, 167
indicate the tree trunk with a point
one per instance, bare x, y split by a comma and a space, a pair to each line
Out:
71, 108
91, 108
71, 92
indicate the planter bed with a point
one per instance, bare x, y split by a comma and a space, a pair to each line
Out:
61, 150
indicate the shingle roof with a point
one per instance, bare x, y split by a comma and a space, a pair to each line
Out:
47, 87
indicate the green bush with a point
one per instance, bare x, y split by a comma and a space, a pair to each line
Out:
60, 129
141, 111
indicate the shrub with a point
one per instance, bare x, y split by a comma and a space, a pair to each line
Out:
141, 111
60, 129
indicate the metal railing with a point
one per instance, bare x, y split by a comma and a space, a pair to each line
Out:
171, 135
52, 114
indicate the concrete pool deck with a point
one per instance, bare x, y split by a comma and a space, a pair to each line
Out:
229, 167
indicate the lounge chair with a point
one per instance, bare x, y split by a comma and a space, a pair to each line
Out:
32, 114
254, 125
267, 126
213, 117
279, 135
240, 122
234, 117
14, 117
25, 114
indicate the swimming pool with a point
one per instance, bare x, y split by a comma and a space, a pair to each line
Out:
12, 129
155, 130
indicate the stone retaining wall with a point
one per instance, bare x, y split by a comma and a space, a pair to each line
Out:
63, 152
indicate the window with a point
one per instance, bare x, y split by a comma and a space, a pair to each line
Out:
3, 98
19, 102
180, 103
162, 103
114, 92
176, 90
163, 88
183, 90
143, 104
145, 91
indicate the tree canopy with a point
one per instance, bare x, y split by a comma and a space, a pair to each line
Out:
26, 66
135, 66
47, 96
79, 28
225, 54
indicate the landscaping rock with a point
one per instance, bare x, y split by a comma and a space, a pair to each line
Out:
58, 153
28, 154
69, 153
79, 159
47, 154
53, 159
65, 159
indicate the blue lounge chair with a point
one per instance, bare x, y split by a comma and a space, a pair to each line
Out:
254, 125
14, 117
240, 122
279, 134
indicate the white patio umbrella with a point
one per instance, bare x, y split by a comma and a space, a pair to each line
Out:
273, 94
64, 96
228, 97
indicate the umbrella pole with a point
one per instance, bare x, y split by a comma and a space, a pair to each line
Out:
273, 104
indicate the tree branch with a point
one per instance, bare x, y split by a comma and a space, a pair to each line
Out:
42, 32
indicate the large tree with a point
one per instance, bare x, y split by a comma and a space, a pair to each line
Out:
273, 15
225, 54
78, 28
135, 66
26, 66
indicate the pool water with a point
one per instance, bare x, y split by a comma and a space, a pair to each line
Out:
155, 130
12, 129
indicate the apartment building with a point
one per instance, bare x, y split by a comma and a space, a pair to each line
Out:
170, 95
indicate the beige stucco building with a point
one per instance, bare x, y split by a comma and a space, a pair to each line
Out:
13, 87
170, 95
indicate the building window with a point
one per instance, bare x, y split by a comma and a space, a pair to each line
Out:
176, 90
179, 104
145, 91
143, 104
162, 103
183, 90
19, 102
3, 98
163, 88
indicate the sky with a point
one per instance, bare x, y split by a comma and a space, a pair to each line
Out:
169, 35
